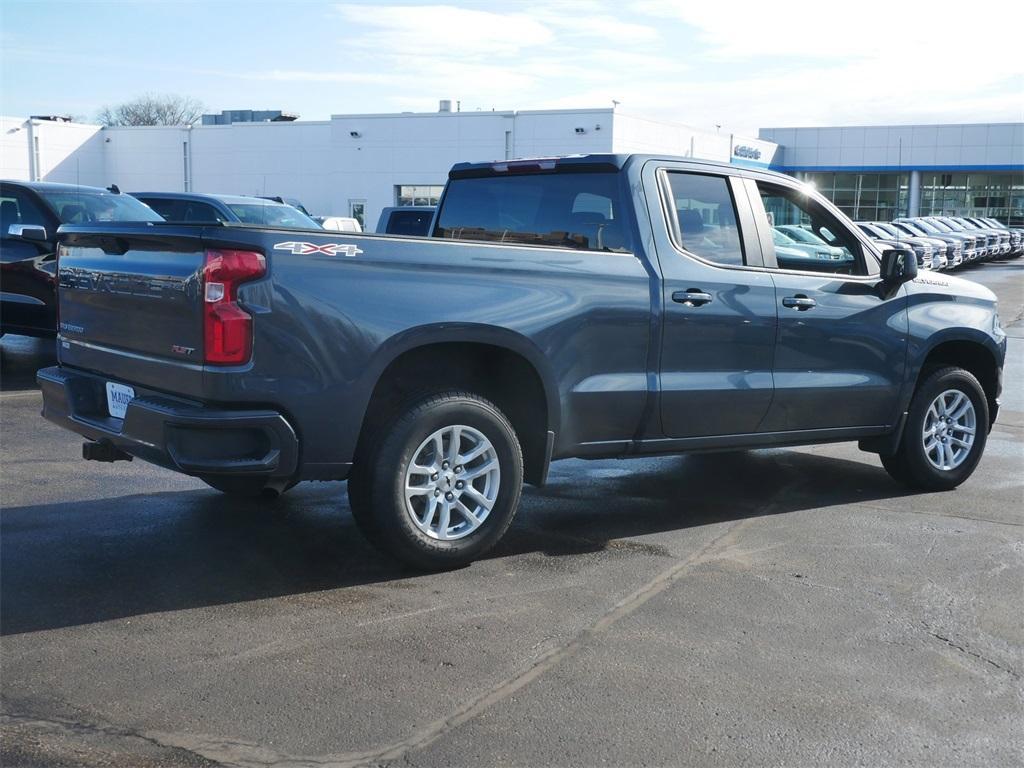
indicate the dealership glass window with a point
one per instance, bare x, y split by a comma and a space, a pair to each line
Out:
864, 196
357, 211
416, 194
706, 215
999, 195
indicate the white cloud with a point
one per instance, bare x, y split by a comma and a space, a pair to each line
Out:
744, 66
812, 63
458, 32
508, 60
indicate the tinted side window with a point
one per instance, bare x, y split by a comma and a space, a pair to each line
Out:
171, 210
706, 215
195, 211
840, 251
16, 207
568, 210
409, 222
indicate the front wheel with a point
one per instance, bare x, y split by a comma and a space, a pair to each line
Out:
945, 433
439, 486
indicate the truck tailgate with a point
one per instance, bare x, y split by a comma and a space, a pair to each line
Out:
132, 295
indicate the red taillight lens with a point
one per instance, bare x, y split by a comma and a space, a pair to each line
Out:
227, 328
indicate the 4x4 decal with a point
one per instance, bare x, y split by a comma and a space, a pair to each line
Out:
329, 249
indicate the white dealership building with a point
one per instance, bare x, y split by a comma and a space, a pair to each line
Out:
359, 164
350, 164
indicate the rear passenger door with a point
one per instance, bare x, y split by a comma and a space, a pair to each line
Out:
840, 353
718, 325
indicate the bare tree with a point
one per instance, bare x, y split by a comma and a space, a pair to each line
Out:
150, 109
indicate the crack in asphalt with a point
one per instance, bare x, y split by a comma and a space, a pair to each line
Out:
77, 728
974, 654
940, 514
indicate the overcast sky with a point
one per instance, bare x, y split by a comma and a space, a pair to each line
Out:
699, 62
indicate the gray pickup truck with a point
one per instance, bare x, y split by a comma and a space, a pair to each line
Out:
590, 306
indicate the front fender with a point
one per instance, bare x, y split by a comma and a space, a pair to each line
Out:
937, 320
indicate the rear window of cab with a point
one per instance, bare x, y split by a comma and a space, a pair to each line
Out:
582, 211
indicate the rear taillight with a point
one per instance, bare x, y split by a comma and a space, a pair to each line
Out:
227, 328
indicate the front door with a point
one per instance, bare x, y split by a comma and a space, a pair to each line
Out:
840, 352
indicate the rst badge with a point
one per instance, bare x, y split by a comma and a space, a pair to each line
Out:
328, 249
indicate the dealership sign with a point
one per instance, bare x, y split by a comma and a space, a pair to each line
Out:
748, 153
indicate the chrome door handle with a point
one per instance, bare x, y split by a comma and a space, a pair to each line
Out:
692, 297
799, 302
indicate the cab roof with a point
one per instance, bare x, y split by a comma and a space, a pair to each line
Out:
610, 163
50, 186
202, 196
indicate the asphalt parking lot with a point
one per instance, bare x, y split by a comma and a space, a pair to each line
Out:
784, 607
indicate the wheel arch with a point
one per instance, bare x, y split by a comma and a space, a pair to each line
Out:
498, 364
973, 351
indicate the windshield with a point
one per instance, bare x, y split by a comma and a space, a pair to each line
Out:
889, 229
802, 235
911, 229
941, 226
86, 206
925, 226
780, 238
272, 215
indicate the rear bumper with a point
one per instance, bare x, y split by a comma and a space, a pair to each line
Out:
181, 435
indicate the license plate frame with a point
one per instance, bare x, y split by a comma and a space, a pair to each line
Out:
118, 397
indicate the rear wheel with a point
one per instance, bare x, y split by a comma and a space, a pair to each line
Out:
945, 434
439, 486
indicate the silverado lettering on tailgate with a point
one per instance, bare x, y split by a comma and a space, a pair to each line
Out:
146, 287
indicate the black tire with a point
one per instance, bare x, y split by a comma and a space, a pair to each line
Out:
376, 488
897, 469
242, 487
910, 465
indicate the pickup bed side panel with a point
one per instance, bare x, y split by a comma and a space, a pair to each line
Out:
327, 325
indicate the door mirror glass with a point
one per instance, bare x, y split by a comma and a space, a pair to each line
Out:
27, 232
898, 266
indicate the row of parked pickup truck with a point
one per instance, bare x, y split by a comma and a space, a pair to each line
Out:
590, 306
947, 242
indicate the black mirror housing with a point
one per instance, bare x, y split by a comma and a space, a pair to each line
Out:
898, 267
32, 232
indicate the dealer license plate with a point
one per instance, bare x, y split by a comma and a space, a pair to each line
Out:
118, 397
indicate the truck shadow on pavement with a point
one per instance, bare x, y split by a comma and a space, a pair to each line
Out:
75, 563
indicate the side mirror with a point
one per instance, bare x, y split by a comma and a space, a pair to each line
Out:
898, 266
28, 232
